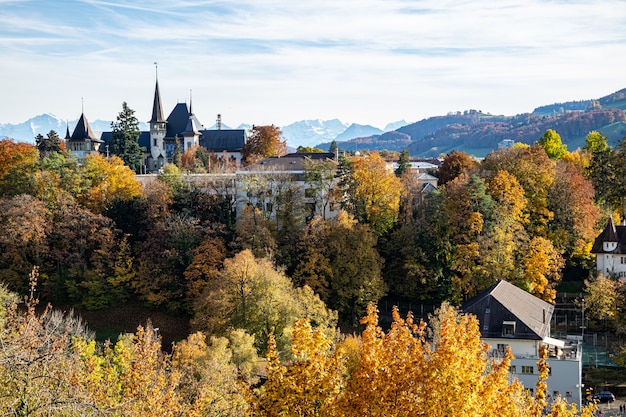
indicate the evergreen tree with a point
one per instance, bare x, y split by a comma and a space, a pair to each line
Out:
333, 147
126, 138
49, 144
177, 155
404, 163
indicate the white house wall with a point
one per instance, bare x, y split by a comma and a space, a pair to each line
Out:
563, 379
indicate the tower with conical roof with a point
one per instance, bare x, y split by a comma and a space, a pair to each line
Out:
191, 134
158, 127
83, 141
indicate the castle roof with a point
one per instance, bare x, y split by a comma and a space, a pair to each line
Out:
230, 140
83, 131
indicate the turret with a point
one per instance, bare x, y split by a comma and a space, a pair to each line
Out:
158, 125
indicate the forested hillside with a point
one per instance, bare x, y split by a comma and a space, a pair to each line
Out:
478, 133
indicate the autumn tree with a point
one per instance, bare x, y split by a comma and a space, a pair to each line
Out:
250, 294
470, 210
59, 176
535, 172
81, 257
125, 138
551, 143
262, 142
310, 384
108, 180
596, 142
571, 199
208, 258
603, 298
17, 165
131, 377
466, 382
23, 241
453, 165
374, 193
541, 266
502, 247
35, 365
210, 382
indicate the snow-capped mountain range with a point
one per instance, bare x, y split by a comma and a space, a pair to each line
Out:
303, 133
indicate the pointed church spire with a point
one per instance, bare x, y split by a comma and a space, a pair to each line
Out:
67, 130
157, 107
191, 129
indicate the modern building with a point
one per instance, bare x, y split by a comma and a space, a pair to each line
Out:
510, 316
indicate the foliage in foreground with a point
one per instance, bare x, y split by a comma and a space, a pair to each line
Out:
50, 366
401, 373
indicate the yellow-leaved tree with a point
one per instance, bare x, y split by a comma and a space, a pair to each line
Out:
410, 370
375, 192
109, 179
310, 384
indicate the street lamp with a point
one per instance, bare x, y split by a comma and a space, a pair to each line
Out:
583, 324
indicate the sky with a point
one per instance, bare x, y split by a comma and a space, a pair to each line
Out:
280, 61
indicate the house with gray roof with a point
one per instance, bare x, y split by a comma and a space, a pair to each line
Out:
512, 317
610, 250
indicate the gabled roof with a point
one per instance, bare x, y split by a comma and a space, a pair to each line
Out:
289, 162
611, 233
83, 131
428, 188
504, 302
426, 177
229, 140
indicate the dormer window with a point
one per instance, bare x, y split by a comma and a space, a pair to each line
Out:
508, 328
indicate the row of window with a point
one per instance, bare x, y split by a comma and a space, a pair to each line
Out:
526, 370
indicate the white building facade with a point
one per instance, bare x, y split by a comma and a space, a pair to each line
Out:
511, 317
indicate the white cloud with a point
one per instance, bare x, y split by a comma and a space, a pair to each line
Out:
277, 61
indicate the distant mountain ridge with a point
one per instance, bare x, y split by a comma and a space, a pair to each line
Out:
471, 131
303, 133
478, 133
44, 123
